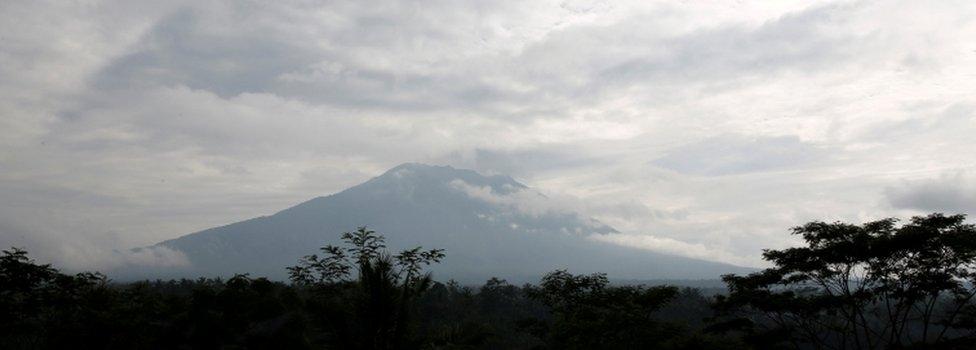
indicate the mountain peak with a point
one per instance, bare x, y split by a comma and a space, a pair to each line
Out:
490, 225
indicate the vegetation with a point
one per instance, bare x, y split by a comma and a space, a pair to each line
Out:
871, 286
374, 312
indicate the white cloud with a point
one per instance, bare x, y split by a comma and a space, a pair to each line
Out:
75, 249
523, 201
156, 256
535, 204
676, 247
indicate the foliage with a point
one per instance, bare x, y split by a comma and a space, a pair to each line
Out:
33, 297
870, 286
380, 315
366, 251
255, 313
589, 313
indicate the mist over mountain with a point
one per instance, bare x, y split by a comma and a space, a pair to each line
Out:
488, 225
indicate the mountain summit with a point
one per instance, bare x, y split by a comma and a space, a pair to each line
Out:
488, 225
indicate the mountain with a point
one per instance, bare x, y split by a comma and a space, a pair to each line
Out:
488, 225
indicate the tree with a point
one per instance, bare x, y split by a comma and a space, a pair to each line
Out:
588, 313
43, 307
871, 286
385, 287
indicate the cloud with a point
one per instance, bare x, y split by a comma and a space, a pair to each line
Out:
128, 123
155, 256
950, 194
525, 201
676, 247
537, 161
206, 49
95, 252
535, 204
734, 154
798, 41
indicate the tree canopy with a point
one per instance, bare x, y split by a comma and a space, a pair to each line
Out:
878, 285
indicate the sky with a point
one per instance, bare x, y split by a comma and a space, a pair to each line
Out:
705, 129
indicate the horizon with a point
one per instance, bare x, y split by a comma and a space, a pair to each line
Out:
700, 131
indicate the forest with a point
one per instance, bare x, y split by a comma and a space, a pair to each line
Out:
878, 285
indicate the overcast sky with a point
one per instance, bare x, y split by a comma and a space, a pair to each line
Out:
698, 128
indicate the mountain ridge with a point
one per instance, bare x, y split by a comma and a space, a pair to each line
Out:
488, 224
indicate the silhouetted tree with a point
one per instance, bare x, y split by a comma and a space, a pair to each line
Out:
42, 307
590, 314
386, 285
871, 286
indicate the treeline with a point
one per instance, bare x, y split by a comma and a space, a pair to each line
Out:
872, 286
50, 310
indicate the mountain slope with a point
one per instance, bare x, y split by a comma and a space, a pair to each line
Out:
488, 225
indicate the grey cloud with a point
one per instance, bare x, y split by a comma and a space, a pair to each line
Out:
524, 162
188, 48
399, 58
394, 57
590, 63
951, 194
736, 154
800, 41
